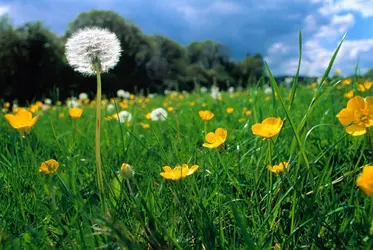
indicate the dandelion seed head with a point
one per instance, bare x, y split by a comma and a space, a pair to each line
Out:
124, 116
92, 45
158, 114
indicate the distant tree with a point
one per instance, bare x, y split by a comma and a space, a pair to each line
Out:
31, 59
369, 74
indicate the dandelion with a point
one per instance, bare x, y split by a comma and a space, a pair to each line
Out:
216, 139
126, 171
206, 115
49, 166
110, 108
365, 181
73, 103
203, 90
75, 113
91, 51
158, 114
90, 46
278, 168
47, 101
179, 172
268, 90
357, 116
124, 116
229, 110
268, 128
121, 93
83, 96
22, 121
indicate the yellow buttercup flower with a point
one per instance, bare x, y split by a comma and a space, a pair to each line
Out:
39, 104
215, 139
347, 81
61, 115
148, 116
313, 85
206, 115
178, 173
361, 88
267, 99
357, 116
145, 125
268, 128
337, 71
7, 104
229, 110
170, 109
365, 181
49, 166
22, 121
278, 168
248, 113
349, 94
368, 84
75, 113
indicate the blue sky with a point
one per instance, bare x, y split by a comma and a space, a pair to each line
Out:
269, 27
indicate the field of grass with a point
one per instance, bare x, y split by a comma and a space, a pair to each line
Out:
231, 201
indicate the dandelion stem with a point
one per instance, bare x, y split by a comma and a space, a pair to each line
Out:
100, 182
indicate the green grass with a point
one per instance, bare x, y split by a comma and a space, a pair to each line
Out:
228, 203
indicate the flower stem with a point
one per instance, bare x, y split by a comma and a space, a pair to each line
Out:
100, 182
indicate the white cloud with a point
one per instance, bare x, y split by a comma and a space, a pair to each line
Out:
324, 30
364, 7
4, 9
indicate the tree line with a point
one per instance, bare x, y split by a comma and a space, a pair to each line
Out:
33, 64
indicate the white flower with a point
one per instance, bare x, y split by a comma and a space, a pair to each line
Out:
158, 114
83, 96
124, 116
110, 108
48, 101
92, 45
151, 95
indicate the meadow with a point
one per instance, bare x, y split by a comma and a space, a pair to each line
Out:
265, 167
232, 201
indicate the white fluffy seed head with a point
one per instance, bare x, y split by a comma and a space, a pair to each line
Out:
158, 114
90, 45
124, 116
